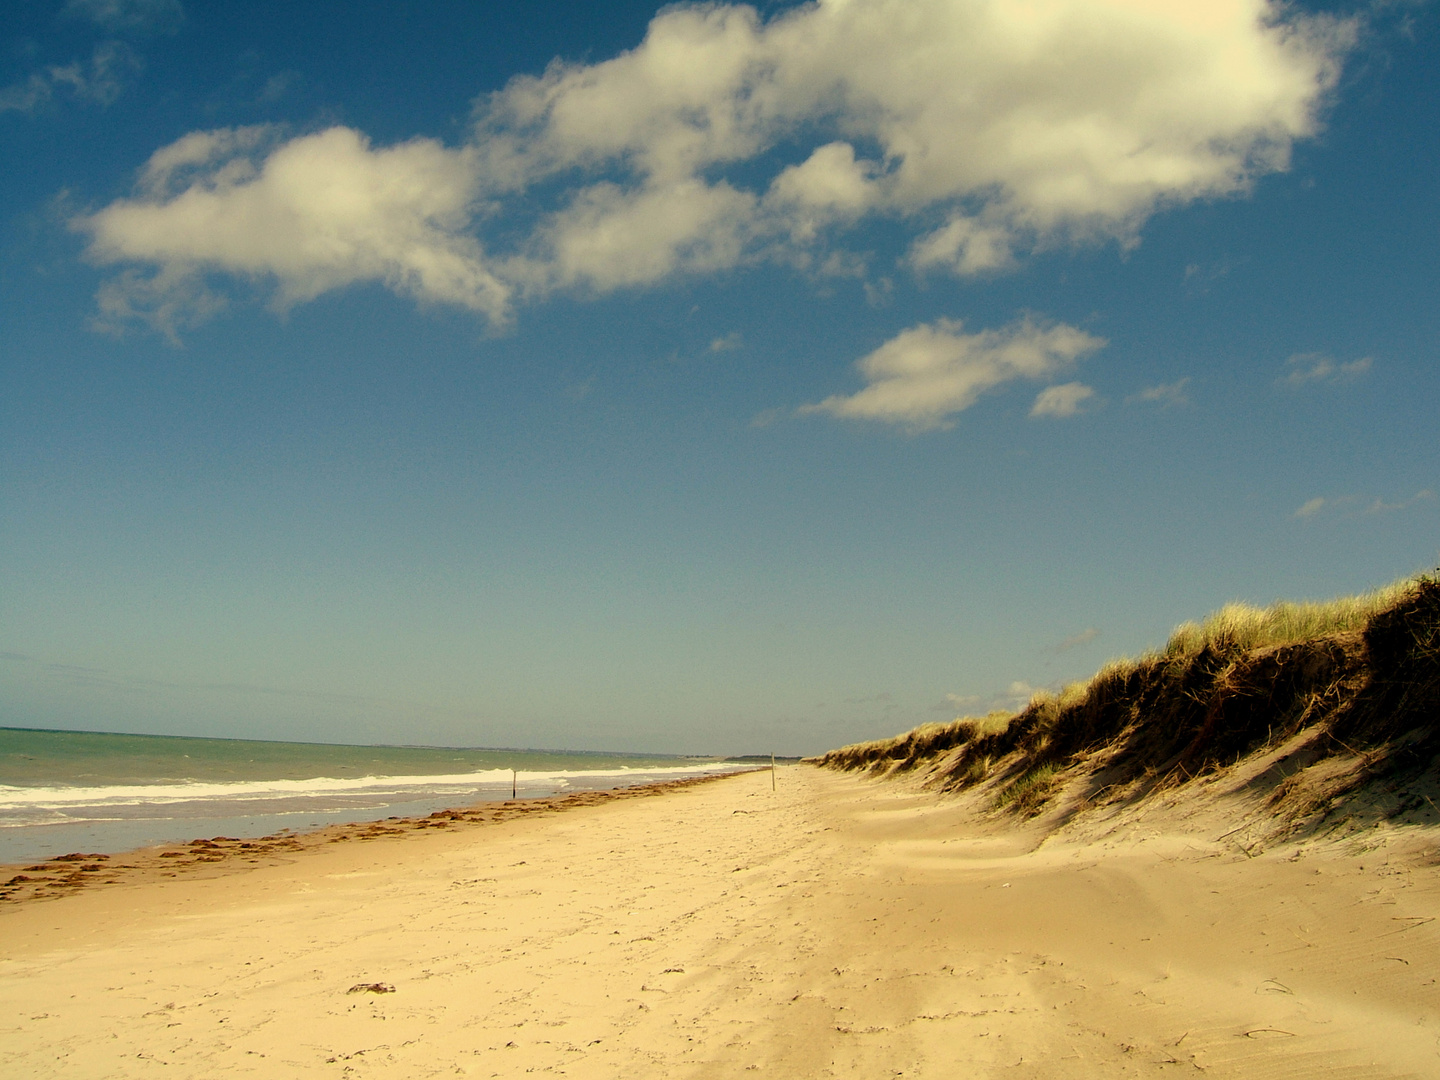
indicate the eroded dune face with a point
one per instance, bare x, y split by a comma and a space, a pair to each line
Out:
830, 926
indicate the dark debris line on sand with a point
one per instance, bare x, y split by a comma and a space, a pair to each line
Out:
67, 874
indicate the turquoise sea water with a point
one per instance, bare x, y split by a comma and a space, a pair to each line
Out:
63, 791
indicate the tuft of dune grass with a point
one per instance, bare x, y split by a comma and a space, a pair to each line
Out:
1246, 627
1028, 792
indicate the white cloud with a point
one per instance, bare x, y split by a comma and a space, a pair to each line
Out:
926, 374
1200, 276
987, 127
171, 300
1067, 399
728, 343
121, 15
30, 94
101, 80
1166, 395
827, 187
965, 246
1317, 367
953, 703
1074, 641
316, 213
610, 237
1019, 694
1380, 506
173, 168
1012, 699
1372, 505
1037, 122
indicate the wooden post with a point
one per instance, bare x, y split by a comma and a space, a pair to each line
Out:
772, 772
514, 784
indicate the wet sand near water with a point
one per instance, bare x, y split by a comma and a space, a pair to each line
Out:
70, 872
833, 927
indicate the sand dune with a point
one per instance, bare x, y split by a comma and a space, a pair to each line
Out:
835, 927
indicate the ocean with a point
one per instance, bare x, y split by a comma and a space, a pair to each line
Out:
67, 791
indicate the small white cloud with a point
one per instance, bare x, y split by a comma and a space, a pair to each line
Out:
925, 375
879, 292
1013, 699
1076, 640
953, 703
1380, 506
1019, 693
965, 246
276, 87
829, 186
1067, 399
1166, 395
35, 91
101, 80
1317, 367
728, 343
1200, 276
172, 300
122, 15
1356, 505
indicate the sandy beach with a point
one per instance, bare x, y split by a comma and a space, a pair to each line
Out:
836, 926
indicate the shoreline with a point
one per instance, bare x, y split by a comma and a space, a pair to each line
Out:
63, 875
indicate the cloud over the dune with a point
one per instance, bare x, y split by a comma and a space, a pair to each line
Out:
925, 375
988, 127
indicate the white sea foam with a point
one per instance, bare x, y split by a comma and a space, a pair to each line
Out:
26, 805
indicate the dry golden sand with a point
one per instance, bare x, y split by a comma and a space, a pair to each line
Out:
835, 927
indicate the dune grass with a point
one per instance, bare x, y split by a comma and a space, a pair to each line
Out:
1029, 790
1363, 669
917, 745
1240, 626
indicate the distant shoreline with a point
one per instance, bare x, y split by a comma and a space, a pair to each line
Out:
85, 792
24, 882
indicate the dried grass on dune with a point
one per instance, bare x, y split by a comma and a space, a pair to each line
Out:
1350, 688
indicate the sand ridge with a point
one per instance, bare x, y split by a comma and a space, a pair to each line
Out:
833, 927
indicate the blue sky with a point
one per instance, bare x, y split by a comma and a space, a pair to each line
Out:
714, 379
